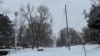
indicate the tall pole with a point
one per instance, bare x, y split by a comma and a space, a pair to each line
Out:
83, 41
68, 39
15, 29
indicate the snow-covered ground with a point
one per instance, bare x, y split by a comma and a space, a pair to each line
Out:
91, 50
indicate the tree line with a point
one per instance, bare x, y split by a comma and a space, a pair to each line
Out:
33, 28
30, 27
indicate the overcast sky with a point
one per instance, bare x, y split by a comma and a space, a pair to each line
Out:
56, 7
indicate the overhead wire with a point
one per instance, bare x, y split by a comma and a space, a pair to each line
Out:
78, 23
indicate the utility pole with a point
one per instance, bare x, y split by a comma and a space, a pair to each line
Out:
68, 39
15, 29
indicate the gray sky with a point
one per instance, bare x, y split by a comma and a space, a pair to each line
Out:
56, 7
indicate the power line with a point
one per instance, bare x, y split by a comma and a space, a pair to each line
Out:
78, 23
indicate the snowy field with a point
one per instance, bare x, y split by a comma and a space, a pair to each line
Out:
91, 50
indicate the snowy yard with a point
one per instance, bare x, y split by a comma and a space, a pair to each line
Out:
92, 50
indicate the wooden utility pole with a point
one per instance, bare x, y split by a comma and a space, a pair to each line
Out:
68, 39
16, 14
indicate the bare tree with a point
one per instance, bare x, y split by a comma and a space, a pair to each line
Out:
39, 24
27, 13
21, 31
73, 35
44, 27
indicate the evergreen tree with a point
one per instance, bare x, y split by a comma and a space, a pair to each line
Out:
6, 30
94, 21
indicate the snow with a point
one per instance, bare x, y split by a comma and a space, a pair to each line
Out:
91, 50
